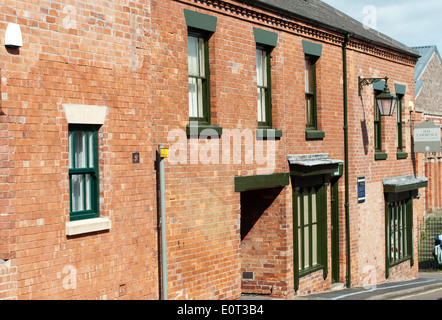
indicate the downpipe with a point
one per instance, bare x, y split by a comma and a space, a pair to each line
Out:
163, 225
347, 201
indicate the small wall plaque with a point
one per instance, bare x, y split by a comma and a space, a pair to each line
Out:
135, 157
361, 190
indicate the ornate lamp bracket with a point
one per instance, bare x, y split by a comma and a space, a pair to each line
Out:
368, 81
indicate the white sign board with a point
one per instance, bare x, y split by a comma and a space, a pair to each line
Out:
427, 137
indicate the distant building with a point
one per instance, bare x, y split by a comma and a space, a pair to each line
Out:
428, 87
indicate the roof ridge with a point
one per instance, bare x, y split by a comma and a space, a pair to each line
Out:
428, 46
328, 17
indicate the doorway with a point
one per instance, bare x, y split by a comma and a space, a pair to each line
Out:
334, 196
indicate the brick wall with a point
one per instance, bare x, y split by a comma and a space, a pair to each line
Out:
265, 230
77, 53
432, 166
367, 219
204, 211
429, 101
132, 58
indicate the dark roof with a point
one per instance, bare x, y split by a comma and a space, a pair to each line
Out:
321, 14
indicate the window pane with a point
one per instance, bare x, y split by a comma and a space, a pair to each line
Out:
306, 207
91, 149
196, 76
306, 229
80, 154
258, 68
200, 98
71, 148
201, 57
300, 249
264, 68
405, 233
308, 110
309, 77
299, 233
88, 191
192, 53
261, 67
306, 248
314, 244
77, 192
193, 100
261, 105
314, 215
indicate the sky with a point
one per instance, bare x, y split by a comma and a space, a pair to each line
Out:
411, 22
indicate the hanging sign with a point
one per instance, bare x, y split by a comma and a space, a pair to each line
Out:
427, 137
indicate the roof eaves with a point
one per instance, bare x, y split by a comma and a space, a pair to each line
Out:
386, 42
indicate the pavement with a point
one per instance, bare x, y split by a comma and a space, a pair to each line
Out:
426, 281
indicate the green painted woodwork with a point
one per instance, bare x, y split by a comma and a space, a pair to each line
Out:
400, 89
405, 187
311, 48
93, 199
200, 20
314, 134
245, 183
265, 37
401, 155
380, 156
201, 130
268, 133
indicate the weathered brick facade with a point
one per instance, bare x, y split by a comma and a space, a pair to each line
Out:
429, 102
131, 57
88, 54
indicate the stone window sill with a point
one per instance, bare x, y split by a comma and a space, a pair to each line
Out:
87, 226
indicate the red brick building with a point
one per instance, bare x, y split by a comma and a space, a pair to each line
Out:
254, 100
428, 73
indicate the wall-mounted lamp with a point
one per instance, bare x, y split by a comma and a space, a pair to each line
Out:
385, 101
13, 38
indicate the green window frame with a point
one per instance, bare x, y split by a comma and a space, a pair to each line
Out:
398, 231
263, 76
377, 130
312, 52
399, 130
310, 93
378, 145
200, 28
266, 41
83, 172
199, 77
400, 93
310, 234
